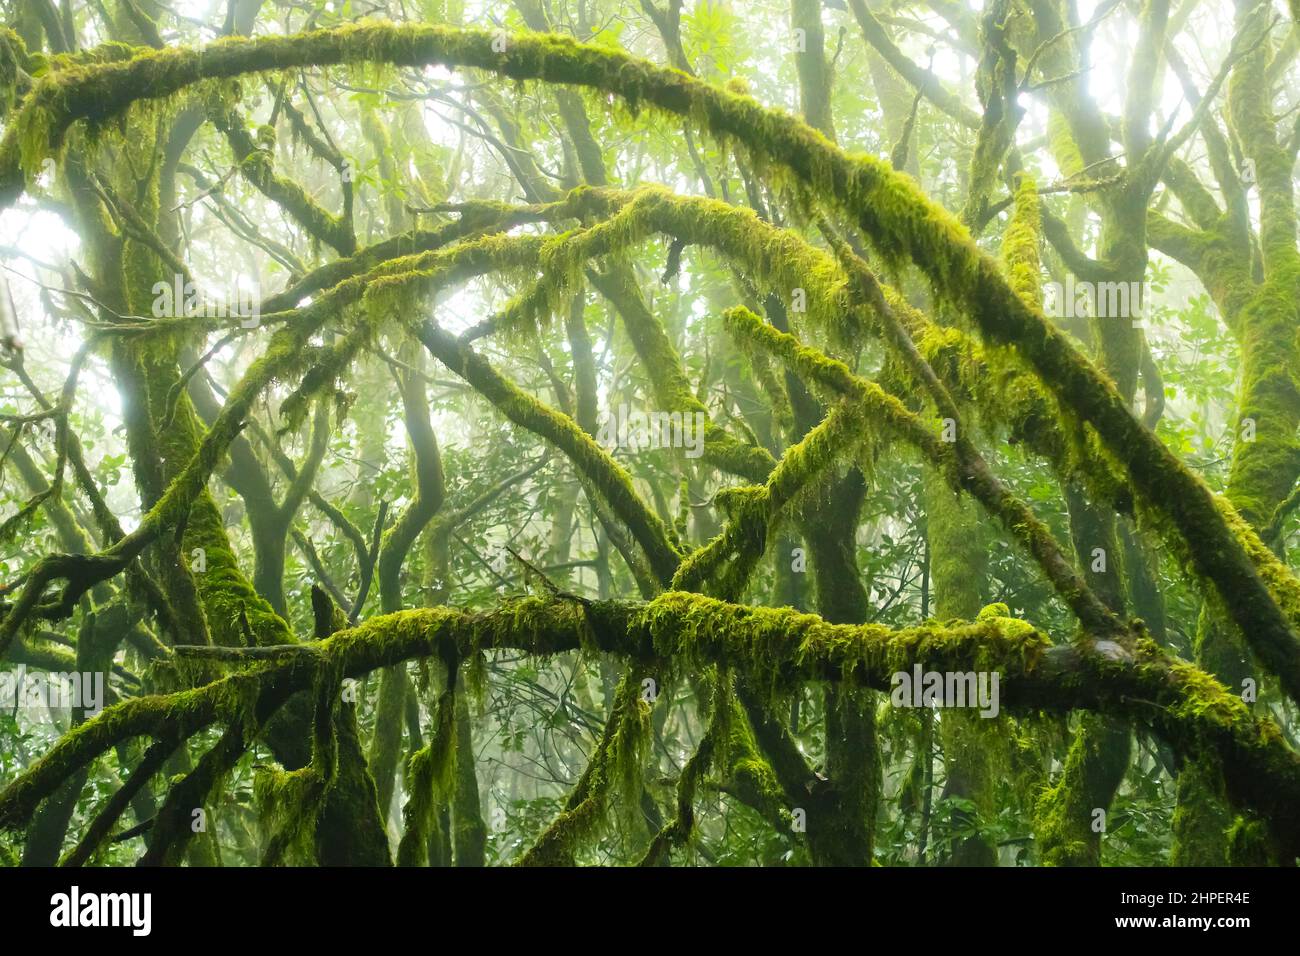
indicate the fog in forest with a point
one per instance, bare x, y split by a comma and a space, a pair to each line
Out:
649, 432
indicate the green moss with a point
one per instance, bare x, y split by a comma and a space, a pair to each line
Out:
615, 769
959, 463
607, 476
779, 648
774, 650
289, 802
430, 775
1251, 844
901, 223
1020, 243
1064, 149
754, 513
1201, 819
1067, 826
13, 59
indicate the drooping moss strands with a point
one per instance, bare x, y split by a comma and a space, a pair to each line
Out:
961, 466
349, 826
548, 57
1063, 813
867, 288
614, 769
15, 69
678, 831
1097, 618
711, 751
780, 645
1020, 242
893, 212
779, 261
430, 771
735, 231
1006, 353
469, 831
328, 366
1217, 703
474, 219
291, 801
729, 559
778, 254
560, 263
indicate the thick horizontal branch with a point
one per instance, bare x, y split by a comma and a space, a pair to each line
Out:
775, 649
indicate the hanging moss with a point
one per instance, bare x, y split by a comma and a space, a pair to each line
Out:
713, 750
14, 59
1201, 819
1250, 844
754, 513
1068, 829
775, 649
288, 802
779, 648
1020, 243
615, 768
960, 464
430, 775
900, 222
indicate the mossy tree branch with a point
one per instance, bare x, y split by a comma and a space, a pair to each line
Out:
776, 649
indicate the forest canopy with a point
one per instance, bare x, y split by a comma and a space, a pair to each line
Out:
640, 432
